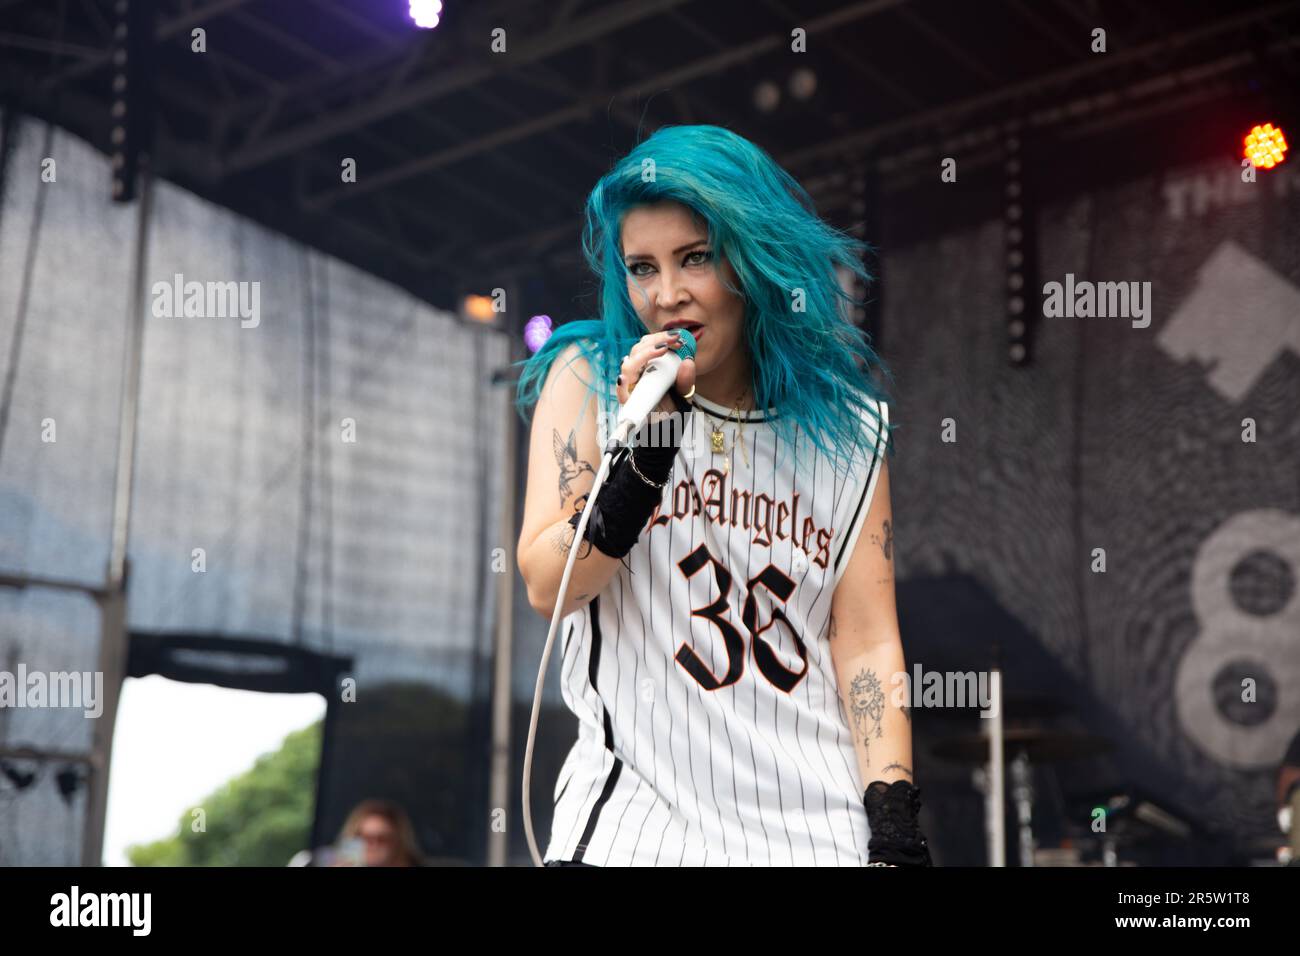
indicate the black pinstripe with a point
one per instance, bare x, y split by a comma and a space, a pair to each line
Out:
753, 688
826, 807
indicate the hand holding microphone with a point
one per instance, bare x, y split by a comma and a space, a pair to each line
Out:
669, 359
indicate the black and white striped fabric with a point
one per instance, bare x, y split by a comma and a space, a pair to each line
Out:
710, 728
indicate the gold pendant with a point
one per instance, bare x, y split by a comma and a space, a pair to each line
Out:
718, 438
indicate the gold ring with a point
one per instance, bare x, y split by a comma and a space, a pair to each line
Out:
691, 394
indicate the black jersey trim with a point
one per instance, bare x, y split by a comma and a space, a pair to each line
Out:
593, 667
714, 410
866, 488
610, 782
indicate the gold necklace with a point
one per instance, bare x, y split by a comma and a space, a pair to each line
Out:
718, 438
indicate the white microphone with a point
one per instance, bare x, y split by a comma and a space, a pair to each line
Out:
651, 387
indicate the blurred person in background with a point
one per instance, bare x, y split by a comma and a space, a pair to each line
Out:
376, 833
385, 832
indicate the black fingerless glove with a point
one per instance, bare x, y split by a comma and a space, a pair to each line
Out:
635, 484
896, 837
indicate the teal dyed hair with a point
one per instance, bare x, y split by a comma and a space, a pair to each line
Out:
807, 359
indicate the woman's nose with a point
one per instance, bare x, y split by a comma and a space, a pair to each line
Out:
670, 291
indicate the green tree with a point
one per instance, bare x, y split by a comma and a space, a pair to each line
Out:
260, 818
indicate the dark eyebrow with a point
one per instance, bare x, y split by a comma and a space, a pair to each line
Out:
678, 251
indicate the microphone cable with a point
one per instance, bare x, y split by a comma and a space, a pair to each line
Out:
612, 448
601, 474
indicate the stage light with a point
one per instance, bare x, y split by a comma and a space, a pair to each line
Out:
1265, 146
767, 96
479, 308
803, 84
536, 331
426, 13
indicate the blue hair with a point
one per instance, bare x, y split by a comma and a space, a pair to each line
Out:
807, 358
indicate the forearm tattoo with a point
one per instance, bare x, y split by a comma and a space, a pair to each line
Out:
896, 766
562, 538
571, 467
867, 705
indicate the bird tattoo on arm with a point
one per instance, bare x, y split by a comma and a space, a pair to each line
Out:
566, 456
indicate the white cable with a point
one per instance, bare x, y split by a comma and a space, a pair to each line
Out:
656, 378
546, 654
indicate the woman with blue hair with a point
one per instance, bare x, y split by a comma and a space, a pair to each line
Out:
729, 628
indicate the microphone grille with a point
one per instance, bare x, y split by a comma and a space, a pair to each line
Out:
687, 351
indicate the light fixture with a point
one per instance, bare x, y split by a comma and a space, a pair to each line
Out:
536, 331
426, 13
478, 308
1265, 146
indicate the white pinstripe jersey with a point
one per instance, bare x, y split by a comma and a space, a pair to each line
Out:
705, 738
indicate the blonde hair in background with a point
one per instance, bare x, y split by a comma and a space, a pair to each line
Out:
406, 852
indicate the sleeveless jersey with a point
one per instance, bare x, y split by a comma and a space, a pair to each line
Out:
710, 726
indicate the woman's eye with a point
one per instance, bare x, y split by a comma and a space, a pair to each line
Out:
704, 256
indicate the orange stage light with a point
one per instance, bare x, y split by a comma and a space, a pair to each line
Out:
1265, 146
479, 308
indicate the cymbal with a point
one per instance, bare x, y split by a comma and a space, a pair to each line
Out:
1040, 745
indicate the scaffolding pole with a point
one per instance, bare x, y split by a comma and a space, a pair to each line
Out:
114, 641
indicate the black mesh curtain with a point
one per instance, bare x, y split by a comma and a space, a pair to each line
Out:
1125, 439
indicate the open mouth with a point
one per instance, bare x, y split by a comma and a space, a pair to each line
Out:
695, 330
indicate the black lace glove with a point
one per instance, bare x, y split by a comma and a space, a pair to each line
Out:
896, 838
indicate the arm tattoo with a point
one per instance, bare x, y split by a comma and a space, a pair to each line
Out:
867, 704
566, 456
886, 540
562, 540
896, 766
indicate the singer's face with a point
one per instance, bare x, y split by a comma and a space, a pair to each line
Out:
674, 274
